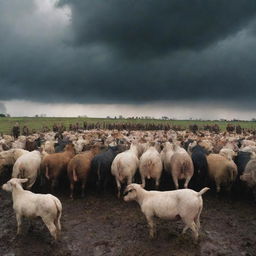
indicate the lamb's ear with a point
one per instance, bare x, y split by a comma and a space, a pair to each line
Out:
23, 180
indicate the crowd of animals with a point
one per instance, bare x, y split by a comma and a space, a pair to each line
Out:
173, 160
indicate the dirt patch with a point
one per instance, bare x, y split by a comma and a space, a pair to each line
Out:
103, 225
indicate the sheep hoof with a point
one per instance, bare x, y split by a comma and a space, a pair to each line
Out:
152, 235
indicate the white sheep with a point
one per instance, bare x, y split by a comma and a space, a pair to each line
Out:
27, 166
124, 166
20, 142
181, 166
31, 205
186, 204
228, 153
166, 155
48, 146
151, 166
9, 157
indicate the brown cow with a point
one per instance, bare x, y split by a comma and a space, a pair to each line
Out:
57, 163
79, 168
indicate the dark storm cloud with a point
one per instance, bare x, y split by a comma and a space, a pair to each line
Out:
128, 51
146, 28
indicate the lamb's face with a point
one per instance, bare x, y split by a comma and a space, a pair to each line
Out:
7, 186
12, 183
130, 193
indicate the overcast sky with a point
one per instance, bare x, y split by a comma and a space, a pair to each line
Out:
176, 58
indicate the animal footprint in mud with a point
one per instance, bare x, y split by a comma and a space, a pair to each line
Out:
101, 248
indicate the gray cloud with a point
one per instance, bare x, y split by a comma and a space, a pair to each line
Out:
128, 51
2, 108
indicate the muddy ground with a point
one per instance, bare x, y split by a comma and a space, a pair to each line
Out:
104, 225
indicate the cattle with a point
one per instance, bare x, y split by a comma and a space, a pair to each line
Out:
184, 203
31, 205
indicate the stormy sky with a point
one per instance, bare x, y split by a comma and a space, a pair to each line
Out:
180, 58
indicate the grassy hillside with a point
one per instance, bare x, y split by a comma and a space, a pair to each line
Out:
6, 123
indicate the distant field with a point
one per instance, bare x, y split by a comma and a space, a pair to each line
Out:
6, 123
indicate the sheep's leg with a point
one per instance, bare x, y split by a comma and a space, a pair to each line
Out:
118, 184
72, 185
217, 187
143, 180
57, 225
185, 229
186, 182
83, 187
157, 183
176, 183
193, 227
19, 222
105, 185
53, 185
129, 180
151, 226
51, 227
197, 221
191, 224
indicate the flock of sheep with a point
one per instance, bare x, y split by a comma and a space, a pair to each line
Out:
195, 160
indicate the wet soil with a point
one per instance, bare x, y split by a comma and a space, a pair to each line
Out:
103, 225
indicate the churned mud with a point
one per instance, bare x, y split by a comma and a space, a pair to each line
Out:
103, 225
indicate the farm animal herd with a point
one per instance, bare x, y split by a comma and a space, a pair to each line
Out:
195, 161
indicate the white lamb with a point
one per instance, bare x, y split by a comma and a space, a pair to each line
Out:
31, 205
184, 203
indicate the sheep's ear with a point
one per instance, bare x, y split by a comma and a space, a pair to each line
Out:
23, 180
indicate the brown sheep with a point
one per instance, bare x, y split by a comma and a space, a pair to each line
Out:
221, 170
79, 168
57, 163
